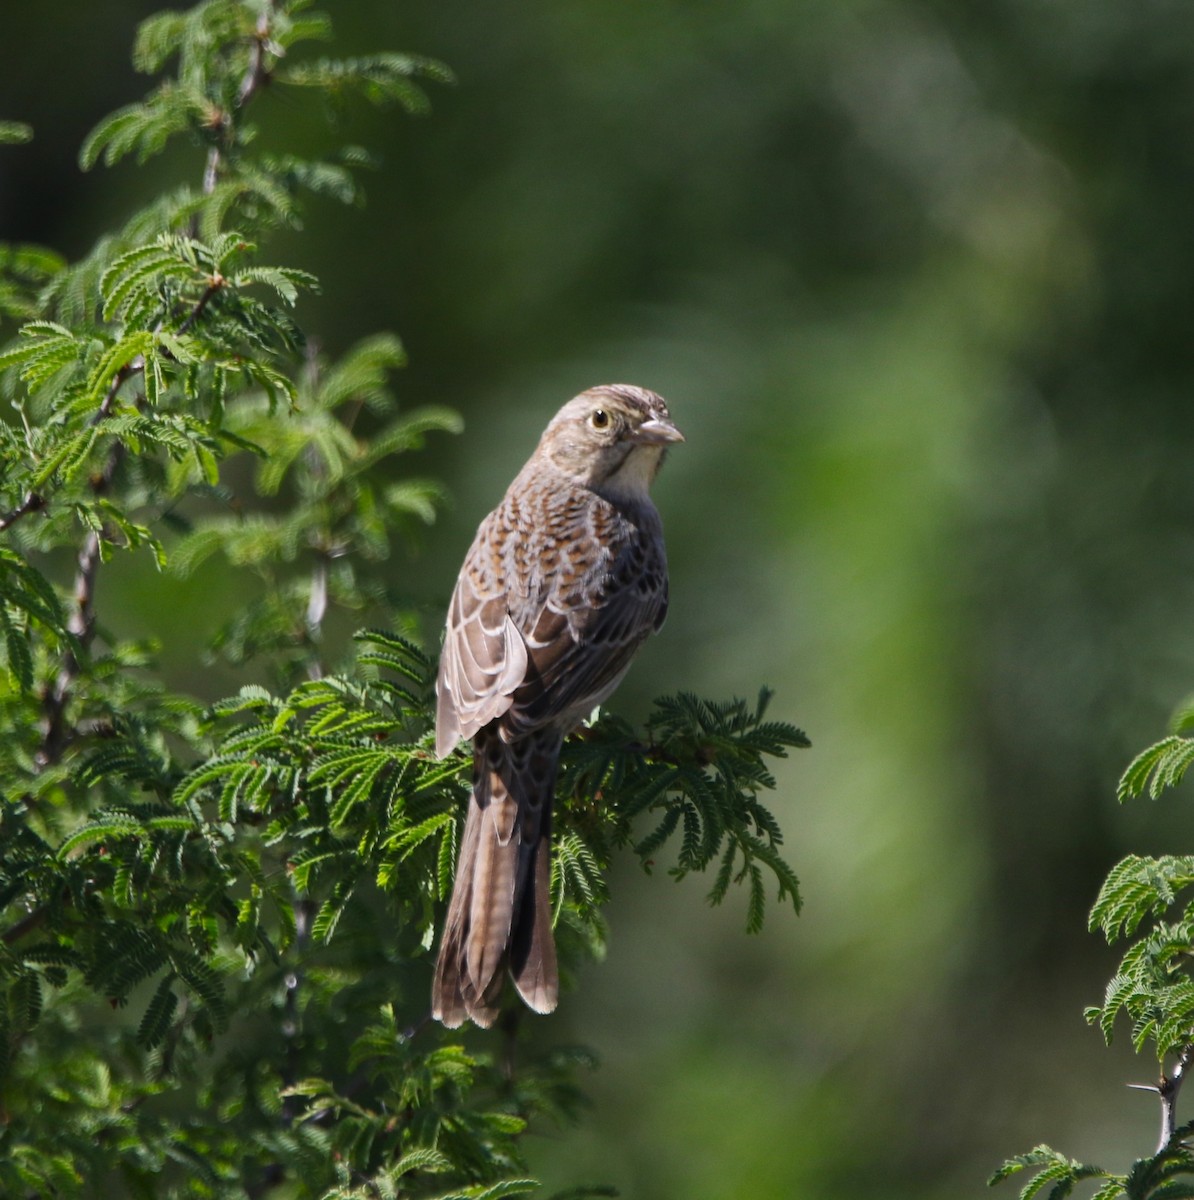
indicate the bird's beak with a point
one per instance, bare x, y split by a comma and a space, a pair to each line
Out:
657, 432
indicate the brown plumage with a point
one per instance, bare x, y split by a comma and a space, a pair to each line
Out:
564, 580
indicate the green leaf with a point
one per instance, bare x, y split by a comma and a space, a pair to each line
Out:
1159, 767
1054, 1170
15, 132
1138, 887
19, 657
380, 78
158, 1013
144, 129
286, 281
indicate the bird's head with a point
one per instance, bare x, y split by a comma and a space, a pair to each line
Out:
612, 438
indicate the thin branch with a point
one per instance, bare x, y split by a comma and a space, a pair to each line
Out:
216, 282
82, 623
317, 606
55, 734
211, 174
317, 599
256, 77
1168, 1090
258, 74
26, 925
32, 503
121, 377
292, 1016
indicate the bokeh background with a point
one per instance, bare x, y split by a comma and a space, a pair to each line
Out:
916, 278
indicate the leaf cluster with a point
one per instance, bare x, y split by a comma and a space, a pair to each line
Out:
1163, 1176
697, 772
1145, 901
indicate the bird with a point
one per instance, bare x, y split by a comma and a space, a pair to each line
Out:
564, 580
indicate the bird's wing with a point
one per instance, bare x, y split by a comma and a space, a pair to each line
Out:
484, 658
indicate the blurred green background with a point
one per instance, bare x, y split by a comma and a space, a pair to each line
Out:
917, 280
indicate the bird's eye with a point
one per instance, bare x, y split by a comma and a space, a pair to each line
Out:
599, 419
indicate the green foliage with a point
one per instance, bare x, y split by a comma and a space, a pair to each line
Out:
698, 771
380, 78
14, 132
24, 271
1158, 1177
215, 911
1057, 1173
1158, 768
1153, 988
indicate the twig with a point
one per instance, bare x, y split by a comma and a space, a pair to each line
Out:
256, 77
1167, 1089
292, 1018
55, 734
26, 925
32, 503
257, 74
317, 606
317, 597
216, 282
121, 377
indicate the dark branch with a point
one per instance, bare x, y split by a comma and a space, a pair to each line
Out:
55, 733
31, 504
256, 77
26, 925
258, 74
118, 381
216, 283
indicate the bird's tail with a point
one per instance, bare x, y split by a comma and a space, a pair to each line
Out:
500, 912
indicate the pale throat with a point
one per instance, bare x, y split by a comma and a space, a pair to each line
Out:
632, 480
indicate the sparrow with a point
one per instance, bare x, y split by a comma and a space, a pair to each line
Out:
563, 582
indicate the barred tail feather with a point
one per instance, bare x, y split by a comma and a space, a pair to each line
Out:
455, 996
500, 911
